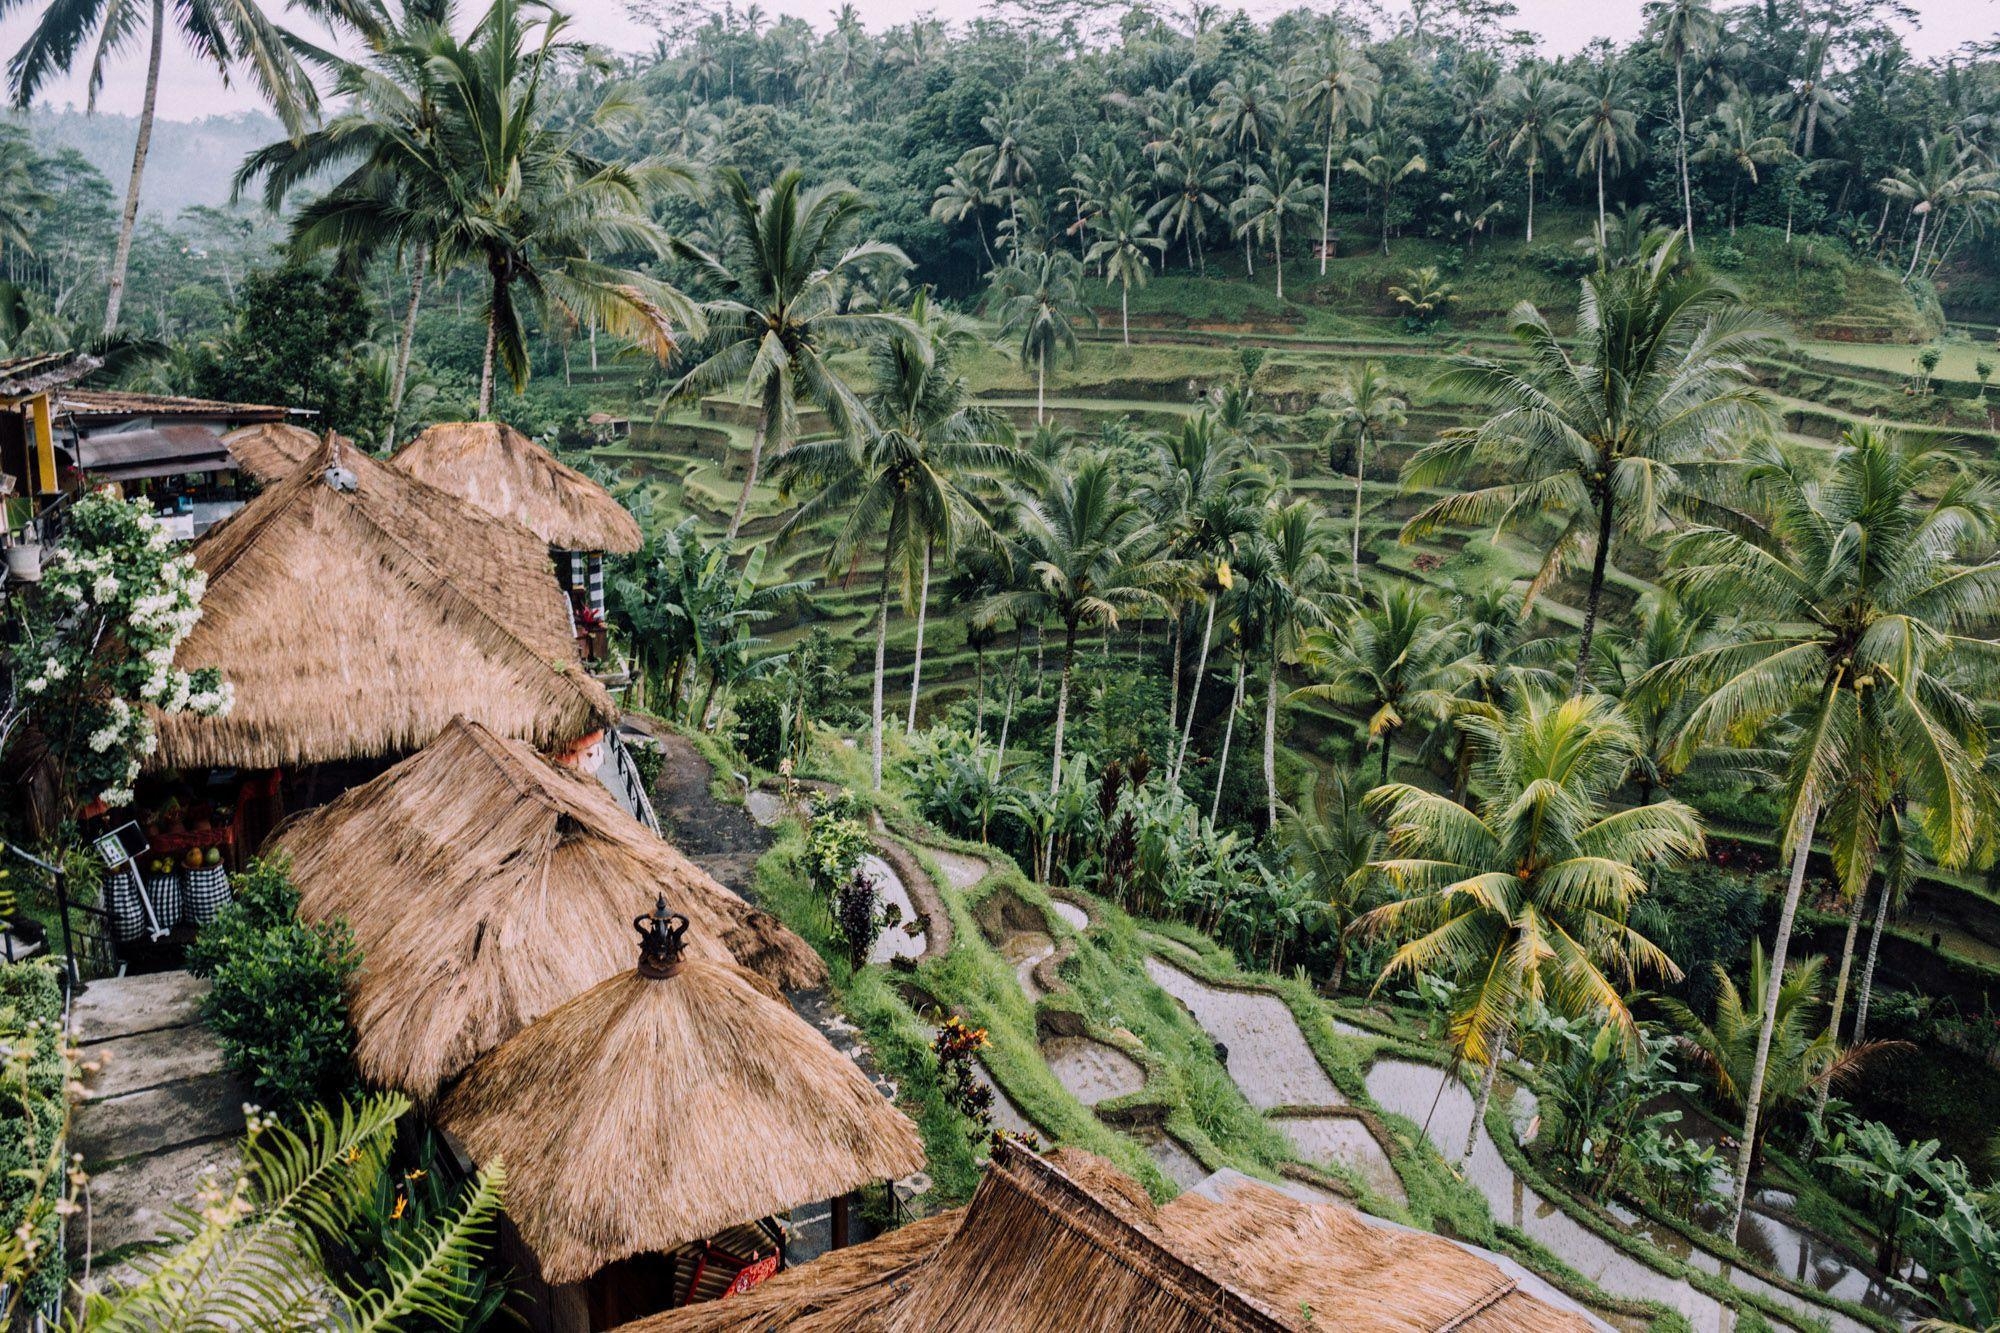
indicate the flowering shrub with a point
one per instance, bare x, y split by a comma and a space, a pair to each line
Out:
99, 637
36, 1072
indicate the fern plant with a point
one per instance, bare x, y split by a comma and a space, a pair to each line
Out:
250, 1252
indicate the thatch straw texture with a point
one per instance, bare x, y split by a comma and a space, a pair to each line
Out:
504, 472
647, 1113
270, 450
355, 623
1069, 1243
486, 886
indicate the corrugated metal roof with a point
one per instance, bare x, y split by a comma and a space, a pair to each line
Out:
159, 451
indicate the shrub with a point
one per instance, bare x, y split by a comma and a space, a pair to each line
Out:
34, 1107
278, 1001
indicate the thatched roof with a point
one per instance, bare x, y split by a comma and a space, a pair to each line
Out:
504, 472
486, 886
271, 450
1068, 1242
86, 406
356, 620
656, 1110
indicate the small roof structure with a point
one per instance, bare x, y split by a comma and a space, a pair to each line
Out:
665, 1105
1069, 1242
169, 449
504, 472
357, 610
269, 451
25, 376
97, 406
487, 885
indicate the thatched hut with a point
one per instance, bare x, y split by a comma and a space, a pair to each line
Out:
507, 474
270, 451
1069, 1242
357, 610
656, 1110
487, 885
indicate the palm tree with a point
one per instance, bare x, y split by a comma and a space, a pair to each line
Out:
1272, 191
1533, 108
1288, 591
1040, 303
963, 197
1902, 859
910, 481
1736, 138
1081, 544
1606, 128
1523, 894
1679, 29
1948, 176
1855, 601
1189, 176
1800, 1058
1333, 85
226, 34
777, 319
1005, 162
1400, 660
1124, 240
1657, 390
1333, 856
1383, 164
1365, 407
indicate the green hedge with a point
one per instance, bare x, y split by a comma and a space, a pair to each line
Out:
34, 1109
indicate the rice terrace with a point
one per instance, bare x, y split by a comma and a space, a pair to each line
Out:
1027, 668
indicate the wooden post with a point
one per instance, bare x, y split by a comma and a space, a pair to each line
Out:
840, 1222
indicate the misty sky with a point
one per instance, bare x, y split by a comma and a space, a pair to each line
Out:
189, 90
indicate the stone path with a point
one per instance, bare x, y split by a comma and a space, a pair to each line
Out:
159, 1110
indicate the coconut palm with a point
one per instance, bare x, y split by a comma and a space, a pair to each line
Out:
1082, 546
1606, 128
1039, 304
1288, 590
1123, 248
1400, 660
1737, 138
1798, 1060
777, 319
1948, 176
232, 36
1333, 86
1190, 177
1382, 161
1613, 434
1856, 604
1680, 29
1523, 893
961, 197
1272, 191
1332, 852
1365, 407
1533, 113
1005, 163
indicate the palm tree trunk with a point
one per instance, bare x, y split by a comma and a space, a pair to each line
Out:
1228, 734
114, 295
1360, 464
1175, 615
1846, 967
1278, 252
1868, 968
1597, 564
1194, 693
1271, 743
1681, 113
917, 664
1125, 309
1485, 1095
1917, 253
881, 656
1600, 196
1747, 1148
750, 477
486, 367
979, 691
1055, 764
1531, 203
402, 375
1041, 386
1326, 200
1013, 693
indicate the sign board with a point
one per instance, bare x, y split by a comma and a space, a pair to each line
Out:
751, 1275
122, 845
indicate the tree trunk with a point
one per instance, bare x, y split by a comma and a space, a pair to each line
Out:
1055, 764
1194, 693
1175, 614
1041, 386
979, 691
1485, 1095
1600, 197
881, 657
486, 367
1681, 114
1597, 563
1013, 693
1271, 743
1781, 948
1868, 968
1846, 967
1360, 465
401, 378
750, 477
1228, 734
1125, 310
1531, 203
114, 295
1388, 749
917, 664
1278, 252
1917, 253
1326, 200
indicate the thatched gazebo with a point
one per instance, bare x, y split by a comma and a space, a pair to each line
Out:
507, 474
357, 611
1069, 1242
658, 1109
270, 451
488, 885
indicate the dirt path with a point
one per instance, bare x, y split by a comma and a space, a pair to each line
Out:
719, 837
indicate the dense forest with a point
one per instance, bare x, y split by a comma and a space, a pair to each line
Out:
1496, 551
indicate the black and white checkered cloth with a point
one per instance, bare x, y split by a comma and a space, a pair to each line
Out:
121, 900
207, 893
169, 897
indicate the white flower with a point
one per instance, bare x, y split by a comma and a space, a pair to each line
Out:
34, 685
105, 587
116, 796
53, 669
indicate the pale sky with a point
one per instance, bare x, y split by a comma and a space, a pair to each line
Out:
189, 90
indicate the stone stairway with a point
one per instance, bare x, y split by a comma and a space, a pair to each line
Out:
159, 1107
